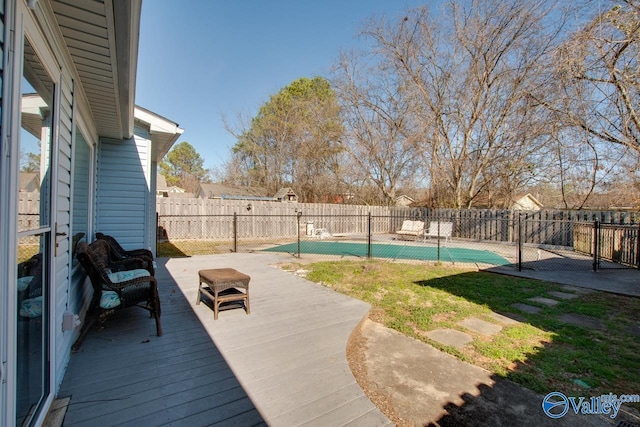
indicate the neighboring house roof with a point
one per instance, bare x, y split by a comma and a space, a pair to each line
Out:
404, 200
223, 191
527, 202
184, 195
29, 181
161, 183
170, 191
285, 192
176, 189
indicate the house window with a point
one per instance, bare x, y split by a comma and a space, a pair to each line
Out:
34, 238
81, 190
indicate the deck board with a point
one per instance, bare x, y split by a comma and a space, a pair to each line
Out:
282, 365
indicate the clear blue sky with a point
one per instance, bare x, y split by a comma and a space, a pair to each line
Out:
199, 59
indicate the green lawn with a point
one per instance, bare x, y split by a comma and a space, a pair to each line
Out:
186, 248
540, 352
26, 251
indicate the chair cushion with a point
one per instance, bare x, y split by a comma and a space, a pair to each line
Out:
418, 226
123, 276
406, 225
109, 299
31, 307
23, 282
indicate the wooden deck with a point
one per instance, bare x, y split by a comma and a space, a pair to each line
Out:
282, 365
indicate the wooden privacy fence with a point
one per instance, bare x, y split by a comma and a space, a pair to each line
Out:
213, 219
29, 210
256, 227
619, 243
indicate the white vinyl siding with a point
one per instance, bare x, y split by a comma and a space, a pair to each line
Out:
153, 218
81, 199
122, 191
143, 139
59, 292
56, 51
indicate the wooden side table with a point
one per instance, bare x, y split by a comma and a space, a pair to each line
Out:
224, 285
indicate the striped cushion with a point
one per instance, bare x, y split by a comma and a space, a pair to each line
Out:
23, 282
31, 307
109, 299
123, 276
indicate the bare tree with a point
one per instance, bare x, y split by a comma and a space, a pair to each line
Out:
594, 101
598, 73
471, 79
380, 136
489, 99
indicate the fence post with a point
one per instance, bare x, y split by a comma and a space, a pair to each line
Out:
596, 245
155, 249
235, 232
299, 215
438, 238
519, 241
369, 236
637, 261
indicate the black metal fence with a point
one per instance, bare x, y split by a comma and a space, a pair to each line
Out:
517, 241
616, 243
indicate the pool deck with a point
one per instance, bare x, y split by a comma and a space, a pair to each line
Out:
557, 265
623, 281
283, 365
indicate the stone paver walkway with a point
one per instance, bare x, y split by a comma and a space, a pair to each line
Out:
563, 295
450, 337
511, 319
459, 339
480, 326
581, 320
527, 308
549, 302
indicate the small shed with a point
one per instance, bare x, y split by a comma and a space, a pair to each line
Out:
163, 190
29, 182
404, 200
526, 203
286, 194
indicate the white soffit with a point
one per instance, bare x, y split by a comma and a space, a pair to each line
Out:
164, 132
102, 38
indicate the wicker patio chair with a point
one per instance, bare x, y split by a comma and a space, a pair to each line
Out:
117, 284
118, 252
30, 285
